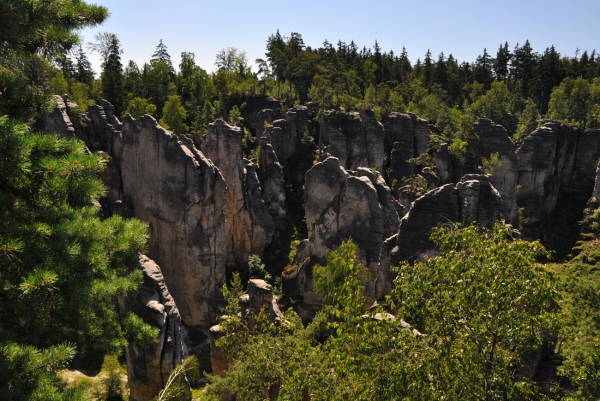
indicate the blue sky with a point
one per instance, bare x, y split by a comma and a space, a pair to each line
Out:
462, 27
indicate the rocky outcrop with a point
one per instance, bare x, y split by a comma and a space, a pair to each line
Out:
148, 367
253, 106
342, 205
443, 163
297, 287
270, 175
406, 137
474, 199
361, 141
249, 226
182, 196
258, 299
555, 161
264, 118
57, 121
494, 139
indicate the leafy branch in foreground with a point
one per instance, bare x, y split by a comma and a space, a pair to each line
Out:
480, 308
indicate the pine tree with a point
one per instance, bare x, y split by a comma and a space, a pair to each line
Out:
161, 54
112, 75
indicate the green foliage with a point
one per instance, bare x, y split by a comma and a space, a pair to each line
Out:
256, 268
174, 116
481, 306
27, 372
30, 26
341, 282
580, 331
235, 117
137, 107
112, 382
416, 184
62, 266
576, 101
491, 165
177, 387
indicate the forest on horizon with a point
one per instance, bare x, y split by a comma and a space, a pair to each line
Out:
450, 93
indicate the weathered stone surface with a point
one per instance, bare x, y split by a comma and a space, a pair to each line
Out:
249, 226
472, 200
555, 161
148, 367
219, 358
375, 134
182, 195
322, 192
443, 164
364, 138
337, 145
421, 133
494, 139
270, 175
406, 137
297, 120
56, 122
479, 201
298, 290
254, 105
596, 193
341, 205
264, 117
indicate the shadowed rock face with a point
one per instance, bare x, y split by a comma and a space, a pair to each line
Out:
474, 199
148, 368
182, 195
494, 139
554, 161
342, 205
406, 137
355, 139
249, 226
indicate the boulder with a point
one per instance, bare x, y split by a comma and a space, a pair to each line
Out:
148, 367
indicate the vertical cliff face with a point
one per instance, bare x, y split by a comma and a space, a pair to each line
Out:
249, 226
356, 139
182, 195
342, 205
557, 173
494, 139
473, 199
148, 367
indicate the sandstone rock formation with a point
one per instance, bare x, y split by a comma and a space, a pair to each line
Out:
253, 106
342, 205
258, 299
148, 367
270, 176
355, 139
494, 139
249, 226
474, 199
555, 161
182, 195
57, 121
406, 137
